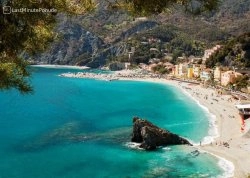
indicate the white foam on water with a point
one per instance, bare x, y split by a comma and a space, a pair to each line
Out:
133, 145
213, 128
166, 148
227, 167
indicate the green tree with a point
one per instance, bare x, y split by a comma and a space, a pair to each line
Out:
32, 32
241, 82
160, 69
148, 7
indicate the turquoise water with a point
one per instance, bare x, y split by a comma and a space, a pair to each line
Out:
81, 128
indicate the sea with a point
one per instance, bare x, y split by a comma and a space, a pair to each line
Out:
81, 128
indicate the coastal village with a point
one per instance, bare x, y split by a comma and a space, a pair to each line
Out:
72, 79
194, 69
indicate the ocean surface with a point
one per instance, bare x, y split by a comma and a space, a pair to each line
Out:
80, 128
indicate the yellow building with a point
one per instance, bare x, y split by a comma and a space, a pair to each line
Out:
190, 72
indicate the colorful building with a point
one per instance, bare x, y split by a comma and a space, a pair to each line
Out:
190, 72
182, 69
206, 74
229, 77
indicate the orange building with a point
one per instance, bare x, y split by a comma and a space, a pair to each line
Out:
229, 77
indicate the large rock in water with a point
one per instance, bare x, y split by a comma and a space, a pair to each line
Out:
151, 136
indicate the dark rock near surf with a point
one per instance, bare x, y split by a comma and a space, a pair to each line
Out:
151, 136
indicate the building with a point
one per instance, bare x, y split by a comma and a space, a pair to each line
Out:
217, 74
182, 69
194, 60
205, 74
176, 70
190, 72
229, 77
196, 71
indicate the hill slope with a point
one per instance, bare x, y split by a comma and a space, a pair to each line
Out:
91, 39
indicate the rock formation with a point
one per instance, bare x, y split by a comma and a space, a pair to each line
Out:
151, 136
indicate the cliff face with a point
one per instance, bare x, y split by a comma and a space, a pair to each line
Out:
78, 46
151, 136
73, 45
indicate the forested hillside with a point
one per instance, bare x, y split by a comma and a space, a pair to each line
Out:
235, 52
108, 34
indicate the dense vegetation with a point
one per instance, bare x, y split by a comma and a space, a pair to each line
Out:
164, 40
241, 82
233, 16
160, 69
148, 7
235, 52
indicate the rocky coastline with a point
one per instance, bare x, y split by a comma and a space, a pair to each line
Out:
127, 74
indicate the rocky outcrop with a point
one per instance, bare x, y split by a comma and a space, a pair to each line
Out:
151, 136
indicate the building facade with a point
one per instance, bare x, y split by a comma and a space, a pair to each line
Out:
205, 74
217, 74
196, 71
229, 77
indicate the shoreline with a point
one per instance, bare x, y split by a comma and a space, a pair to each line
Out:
227, 122
229, 145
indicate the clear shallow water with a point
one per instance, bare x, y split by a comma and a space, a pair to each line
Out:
80, 128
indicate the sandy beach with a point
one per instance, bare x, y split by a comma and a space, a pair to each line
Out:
230, 142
